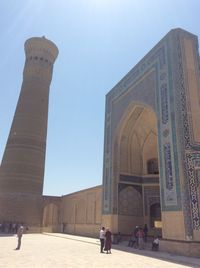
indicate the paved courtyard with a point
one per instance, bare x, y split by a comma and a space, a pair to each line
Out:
60, 250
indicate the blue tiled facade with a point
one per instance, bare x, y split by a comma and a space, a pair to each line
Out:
158, 81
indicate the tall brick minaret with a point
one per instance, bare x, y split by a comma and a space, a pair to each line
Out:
22, 167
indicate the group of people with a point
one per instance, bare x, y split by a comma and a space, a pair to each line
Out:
137, 239
105, 237
139, 236
13, 228
9, 227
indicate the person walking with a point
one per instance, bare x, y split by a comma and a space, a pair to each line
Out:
20, 232
102, 238
108, 243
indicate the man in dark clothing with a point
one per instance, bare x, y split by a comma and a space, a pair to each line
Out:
136, 237
19, 235
132, 240
145, 230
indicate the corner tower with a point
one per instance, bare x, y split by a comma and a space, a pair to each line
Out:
22, 167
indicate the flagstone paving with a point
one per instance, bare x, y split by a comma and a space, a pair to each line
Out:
61, 250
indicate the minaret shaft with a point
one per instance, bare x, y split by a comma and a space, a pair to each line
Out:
22, 167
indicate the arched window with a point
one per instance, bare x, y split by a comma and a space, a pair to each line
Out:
152, 166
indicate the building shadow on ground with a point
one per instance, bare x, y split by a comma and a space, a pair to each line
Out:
123, 246
147, 252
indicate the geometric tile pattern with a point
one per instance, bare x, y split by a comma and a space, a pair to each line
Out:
151, 196
190, 148
179, 153
130, 201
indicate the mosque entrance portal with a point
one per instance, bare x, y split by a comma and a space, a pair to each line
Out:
152, 143
136, 162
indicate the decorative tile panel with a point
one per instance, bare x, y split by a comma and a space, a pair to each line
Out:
159, 81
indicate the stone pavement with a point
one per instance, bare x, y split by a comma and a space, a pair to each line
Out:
61, 250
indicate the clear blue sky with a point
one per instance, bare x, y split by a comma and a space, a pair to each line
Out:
99, 41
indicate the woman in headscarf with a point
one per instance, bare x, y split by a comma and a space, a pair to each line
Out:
108, 243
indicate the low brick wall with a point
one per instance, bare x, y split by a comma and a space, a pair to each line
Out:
186, 248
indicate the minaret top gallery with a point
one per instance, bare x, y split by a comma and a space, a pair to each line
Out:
22, 167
